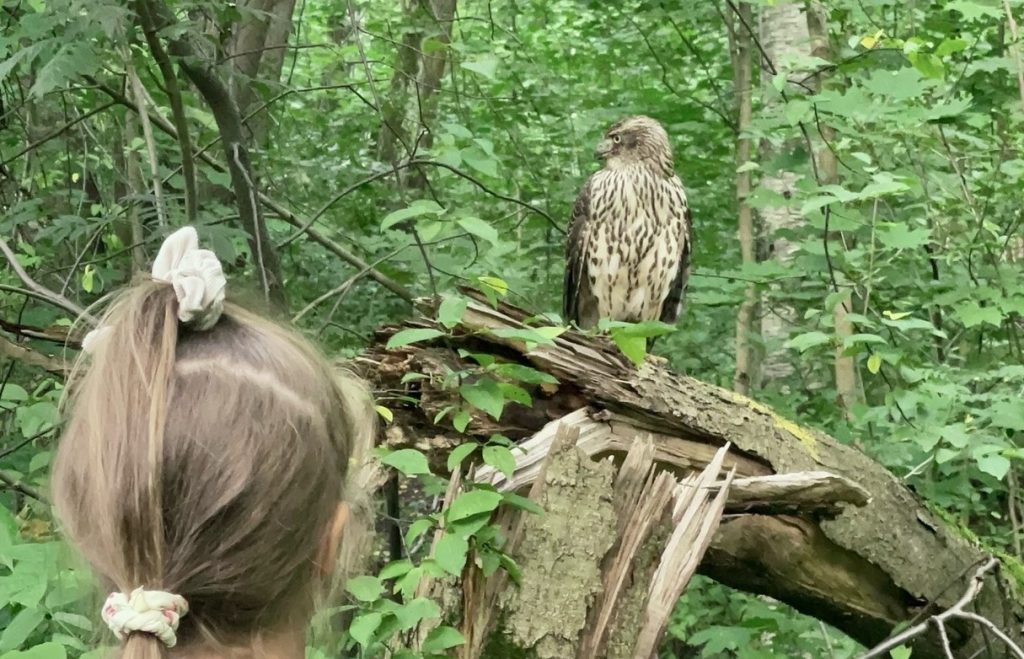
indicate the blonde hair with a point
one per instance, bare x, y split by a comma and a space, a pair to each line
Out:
207, 463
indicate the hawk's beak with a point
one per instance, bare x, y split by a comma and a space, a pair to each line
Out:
603, 149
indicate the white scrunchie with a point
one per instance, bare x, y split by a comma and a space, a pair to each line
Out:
197, 277
149, 611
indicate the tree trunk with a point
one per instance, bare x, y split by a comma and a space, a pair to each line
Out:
748, 352
419, 68
864, 570
783, 35
848, 388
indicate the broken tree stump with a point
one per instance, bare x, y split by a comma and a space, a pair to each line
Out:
862, 568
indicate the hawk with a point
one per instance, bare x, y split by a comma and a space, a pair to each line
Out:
628, 251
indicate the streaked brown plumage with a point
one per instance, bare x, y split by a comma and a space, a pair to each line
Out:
628, 252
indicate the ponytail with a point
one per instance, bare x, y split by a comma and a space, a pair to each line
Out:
203, 460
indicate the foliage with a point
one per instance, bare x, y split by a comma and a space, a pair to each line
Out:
920, 236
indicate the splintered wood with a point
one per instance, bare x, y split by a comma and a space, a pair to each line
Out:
604, 565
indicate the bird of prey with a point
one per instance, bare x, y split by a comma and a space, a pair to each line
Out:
628, 251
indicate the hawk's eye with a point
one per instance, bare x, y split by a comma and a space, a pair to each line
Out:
616, 139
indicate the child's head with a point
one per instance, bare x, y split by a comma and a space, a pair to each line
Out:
206, 463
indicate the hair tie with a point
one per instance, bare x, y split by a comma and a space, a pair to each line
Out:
196, 275
198, 280
147, 611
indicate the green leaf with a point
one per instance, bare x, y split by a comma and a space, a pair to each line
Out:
900, 236
87, 278
363, 627
450, 312
365, 588
950, 46
516, 394
975, 10
417, 208
479, 228
450, 553
633, 347
441, 638
994, 465
409, 461
475, 157
459, 453
874, 363
461, 420
525, 374
902, 652
484, 394
19, 628
415, 335
501, 459
384, 413
1008, 414
807, 340
472, 503
485, 65
495, 284
929, 65
410, 614
416, 529
48, 650
529, 505
395, 569
972, 314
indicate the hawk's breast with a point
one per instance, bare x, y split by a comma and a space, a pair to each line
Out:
634, 248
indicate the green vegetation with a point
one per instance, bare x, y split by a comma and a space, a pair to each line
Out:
400, 150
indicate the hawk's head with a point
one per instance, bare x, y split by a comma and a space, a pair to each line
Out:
635, 140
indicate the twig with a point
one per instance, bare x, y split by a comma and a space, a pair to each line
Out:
345, 285
955, 611
188, 170
41, 291
28, 356
147, 133
57, 133
281, 211
18, 486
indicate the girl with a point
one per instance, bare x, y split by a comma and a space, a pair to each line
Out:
202, 467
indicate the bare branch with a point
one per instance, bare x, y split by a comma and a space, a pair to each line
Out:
177, 108
31, 357
955, 611
41, 291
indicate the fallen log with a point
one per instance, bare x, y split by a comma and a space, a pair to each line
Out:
862, 568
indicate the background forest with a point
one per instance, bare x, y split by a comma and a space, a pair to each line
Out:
854, 169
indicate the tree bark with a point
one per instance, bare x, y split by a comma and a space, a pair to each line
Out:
748, 352
864, 570
229, 123
418, 72
848, 388
783, 35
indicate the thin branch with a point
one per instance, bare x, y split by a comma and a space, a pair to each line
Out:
28, 356
281, 211
147, 132
57, 133
955, 611
229, 123
177, 108
342, 288
41, 291
18, 486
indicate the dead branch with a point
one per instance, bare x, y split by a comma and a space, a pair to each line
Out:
955, 611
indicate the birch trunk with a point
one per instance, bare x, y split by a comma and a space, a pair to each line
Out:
783, 36
848, 387
748, 352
